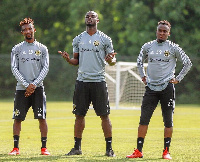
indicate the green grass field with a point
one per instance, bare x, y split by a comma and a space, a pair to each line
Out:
185, 145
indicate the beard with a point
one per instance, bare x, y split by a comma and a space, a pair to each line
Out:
161, 40
28, 38
90, 24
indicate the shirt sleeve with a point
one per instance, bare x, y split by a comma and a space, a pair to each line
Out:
75, 45
45, 68
15, 68
187, 64
140, 60
108, 45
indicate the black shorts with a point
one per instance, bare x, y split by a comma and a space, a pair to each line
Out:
22, 104
87, 92
150, 102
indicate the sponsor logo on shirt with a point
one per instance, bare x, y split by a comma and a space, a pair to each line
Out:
94, 50
27, 59
158, 60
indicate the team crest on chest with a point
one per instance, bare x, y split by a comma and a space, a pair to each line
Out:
96, 43
38, 53
166, 53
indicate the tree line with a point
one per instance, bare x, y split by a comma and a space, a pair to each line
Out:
130, 23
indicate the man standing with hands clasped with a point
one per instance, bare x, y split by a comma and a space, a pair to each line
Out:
29, 65
162, 55
91, 50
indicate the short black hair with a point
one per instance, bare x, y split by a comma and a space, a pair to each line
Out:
26, 21
94, 12
164, 22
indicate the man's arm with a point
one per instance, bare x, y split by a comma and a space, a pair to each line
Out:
45, 68
140, 63
72, 61
15, 70
187, 64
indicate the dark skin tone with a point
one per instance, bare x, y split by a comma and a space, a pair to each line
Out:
162, 33
91, 21
28, 31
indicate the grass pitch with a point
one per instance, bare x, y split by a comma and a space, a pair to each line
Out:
184, 146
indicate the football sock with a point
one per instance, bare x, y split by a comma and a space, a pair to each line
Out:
108, 143
140, 142
16, 141
44, 141
77, 144
167, 142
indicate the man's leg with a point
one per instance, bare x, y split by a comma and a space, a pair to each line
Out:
21, 106
167, 141
106, 126
107, 130
167, 105
81, 104
17, 127
167, 137
168, 132
44, 130
79, 126
149, 103
142, 131
16, 132
78, 131
43, 127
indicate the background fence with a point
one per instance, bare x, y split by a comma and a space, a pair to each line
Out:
60, 81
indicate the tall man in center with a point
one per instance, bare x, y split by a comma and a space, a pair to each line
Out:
91, 50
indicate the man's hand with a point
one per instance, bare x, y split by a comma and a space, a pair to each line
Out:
144, 79
174, 81
65, 55
30, 90
110, 58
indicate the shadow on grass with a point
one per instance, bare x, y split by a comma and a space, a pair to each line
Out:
6, 157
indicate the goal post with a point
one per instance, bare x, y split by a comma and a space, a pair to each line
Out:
125, 86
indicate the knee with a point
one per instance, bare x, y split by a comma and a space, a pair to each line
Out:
79, 118
144, 121
42, 121
104, 117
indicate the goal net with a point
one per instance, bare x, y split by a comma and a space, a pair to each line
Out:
125, 87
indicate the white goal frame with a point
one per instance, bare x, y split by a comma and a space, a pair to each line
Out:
117, 77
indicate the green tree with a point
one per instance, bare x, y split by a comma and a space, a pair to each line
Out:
130, 24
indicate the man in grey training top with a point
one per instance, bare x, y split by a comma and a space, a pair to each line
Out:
91, 50
159, 80
29, 65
